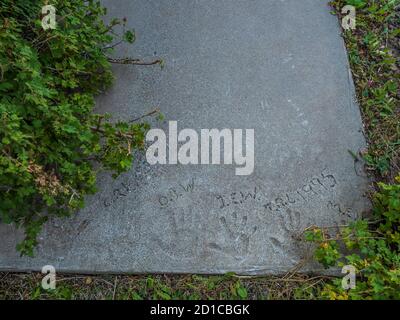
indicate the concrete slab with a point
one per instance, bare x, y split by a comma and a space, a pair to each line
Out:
278, 67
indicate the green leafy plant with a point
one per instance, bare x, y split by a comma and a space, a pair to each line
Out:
52, 144
372, 246
373, 54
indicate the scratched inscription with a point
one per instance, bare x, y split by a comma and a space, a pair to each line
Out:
233, 228
173, 194
340, 209
120, 192
239, 197
319, 185
316, 186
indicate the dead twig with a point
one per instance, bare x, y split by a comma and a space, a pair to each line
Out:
155, 111
135, 61
115, 287
118, 134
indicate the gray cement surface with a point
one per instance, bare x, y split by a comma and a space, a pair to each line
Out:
278, 67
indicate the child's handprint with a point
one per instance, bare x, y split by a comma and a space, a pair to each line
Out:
237, 232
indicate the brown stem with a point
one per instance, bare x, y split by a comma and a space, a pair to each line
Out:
146, 115
134, 61
119, 134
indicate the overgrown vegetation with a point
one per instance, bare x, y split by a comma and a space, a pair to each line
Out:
164, 287
52, 145
373, 50
371, 245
